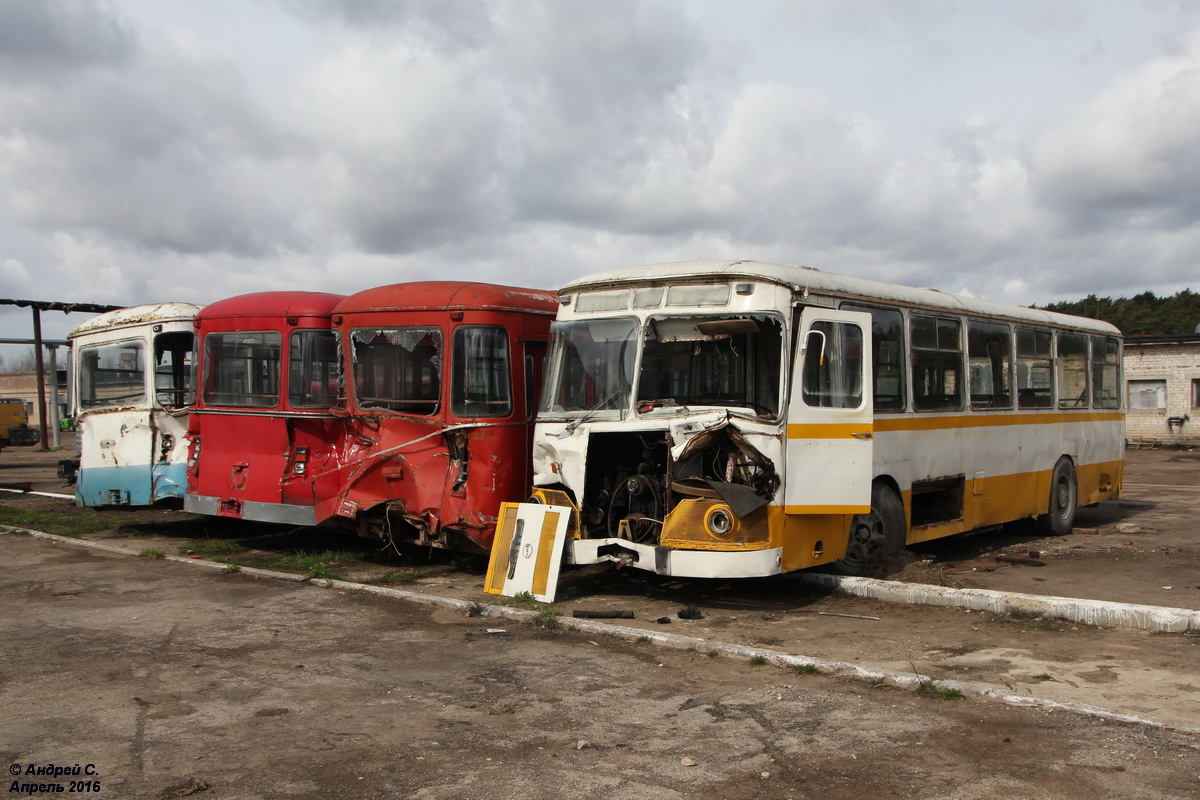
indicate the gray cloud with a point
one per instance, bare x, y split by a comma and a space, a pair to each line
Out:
38, 40
1128, 156
529, 142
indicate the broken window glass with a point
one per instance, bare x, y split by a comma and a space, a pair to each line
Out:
712, 361
397, 369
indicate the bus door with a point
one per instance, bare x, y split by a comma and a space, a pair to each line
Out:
115, 458
830, 420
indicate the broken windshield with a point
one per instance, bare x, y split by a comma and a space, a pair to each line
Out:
728, 361
397, 369
590, 367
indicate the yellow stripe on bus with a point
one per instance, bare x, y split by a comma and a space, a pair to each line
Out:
837, 430
827, 509
982, 420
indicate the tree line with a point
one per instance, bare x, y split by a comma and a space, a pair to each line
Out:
1144, 314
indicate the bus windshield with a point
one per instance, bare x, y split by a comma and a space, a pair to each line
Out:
590, 365
711, 361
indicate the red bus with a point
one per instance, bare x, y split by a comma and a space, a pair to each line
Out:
441, 384
264, 431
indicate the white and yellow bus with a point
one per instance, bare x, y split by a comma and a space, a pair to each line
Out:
734, 418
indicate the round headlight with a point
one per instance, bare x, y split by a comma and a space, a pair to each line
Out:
719, 522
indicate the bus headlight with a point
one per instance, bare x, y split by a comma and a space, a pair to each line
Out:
719, 521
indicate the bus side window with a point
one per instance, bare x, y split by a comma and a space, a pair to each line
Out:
833, 366
887, 350
989, 357
1035, 384
1072, 361
1106, 372
937, 363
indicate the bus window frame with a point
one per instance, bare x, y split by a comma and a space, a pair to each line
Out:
222, 399
304, 376
940, 362
1076, 401
1005, 403
1026, 395
1099, 367
121, 401
414, 406
461, 371
900, 368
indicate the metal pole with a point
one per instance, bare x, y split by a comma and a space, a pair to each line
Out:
55, 412
41, 373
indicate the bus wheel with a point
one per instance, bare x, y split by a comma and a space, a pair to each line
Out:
876, 534
1059, 520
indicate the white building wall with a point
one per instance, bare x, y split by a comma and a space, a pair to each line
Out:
1170, 370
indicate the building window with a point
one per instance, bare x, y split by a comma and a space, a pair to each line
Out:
1147, 395
1195, 392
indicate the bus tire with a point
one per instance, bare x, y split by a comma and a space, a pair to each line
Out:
1064, 500
875, 535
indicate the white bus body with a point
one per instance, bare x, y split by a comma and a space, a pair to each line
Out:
734, 418
132, 373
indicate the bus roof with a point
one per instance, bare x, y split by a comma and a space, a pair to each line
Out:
809, 279
136, 315
445, 295
273, 304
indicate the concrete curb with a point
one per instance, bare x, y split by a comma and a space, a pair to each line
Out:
40, 494
1088, 612
904, 680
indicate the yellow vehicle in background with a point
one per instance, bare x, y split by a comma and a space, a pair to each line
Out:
14, 423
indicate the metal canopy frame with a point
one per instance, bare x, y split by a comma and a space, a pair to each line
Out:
38, 307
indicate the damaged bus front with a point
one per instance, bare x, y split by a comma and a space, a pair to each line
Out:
132, 390
441, 380
663, 423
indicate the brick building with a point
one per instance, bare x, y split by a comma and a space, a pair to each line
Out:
1162, 380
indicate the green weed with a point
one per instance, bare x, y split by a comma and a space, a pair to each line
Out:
931, 689
404, 576
72, 525
317, 565
547, 618
211, 547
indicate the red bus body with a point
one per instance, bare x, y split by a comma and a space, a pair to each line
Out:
441, 390
264, 436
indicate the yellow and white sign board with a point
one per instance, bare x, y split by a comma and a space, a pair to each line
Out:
527, 551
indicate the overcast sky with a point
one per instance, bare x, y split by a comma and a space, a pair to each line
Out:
1022, 151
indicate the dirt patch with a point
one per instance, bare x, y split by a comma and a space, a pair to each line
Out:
261, 673
176, 682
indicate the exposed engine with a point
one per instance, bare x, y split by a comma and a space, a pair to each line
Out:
632, 482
